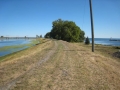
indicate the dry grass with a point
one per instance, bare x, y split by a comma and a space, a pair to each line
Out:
106, 51
71, 67
15, 65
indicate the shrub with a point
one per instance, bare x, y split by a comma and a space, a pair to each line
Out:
87, 41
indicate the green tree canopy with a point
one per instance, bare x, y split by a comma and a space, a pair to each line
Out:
40, 36
47, 35
37, 36
1, 36
66, 30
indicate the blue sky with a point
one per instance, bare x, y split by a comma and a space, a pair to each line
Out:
35, 17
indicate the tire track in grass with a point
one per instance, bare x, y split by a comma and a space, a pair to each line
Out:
54, 74
16, 64
71, 67
44, 59
42, 76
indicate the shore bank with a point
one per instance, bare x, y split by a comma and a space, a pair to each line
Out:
5, 50
105, 50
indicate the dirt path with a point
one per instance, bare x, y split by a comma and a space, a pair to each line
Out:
59, 65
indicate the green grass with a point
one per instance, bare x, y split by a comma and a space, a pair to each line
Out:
21, 52
32, 42
10, 55
6, 48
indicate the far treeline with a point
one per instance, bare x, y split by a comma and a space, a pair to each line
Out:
66, 30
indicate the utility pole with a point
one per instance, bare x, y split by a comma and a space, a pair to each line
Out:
92, 26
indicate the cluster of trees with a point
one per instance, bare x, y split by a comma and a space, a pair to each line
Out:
66, 30
2, 36
38, 36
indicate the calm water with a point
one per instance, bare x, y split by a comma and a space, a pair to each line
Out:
3, 53
10, 42
106, 41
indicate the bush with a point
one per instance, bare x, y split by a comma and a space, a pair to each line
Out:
87, 41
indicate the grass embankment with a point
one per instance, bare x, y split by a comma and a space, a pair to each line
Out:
72, 66
17, 48
107, 51
14, 65
7, 48
32, 42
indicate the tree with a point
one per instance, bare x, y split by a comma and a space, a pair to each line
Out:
25, 37
37, 36
66, 30
87, 41
1, 36
40, 36
81, 37
47, 35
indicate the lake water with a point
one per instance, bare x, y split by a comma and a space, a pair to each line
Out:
106, 41
11, 42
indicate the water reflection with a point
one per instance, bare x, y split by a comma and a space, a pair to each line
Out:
3, 53
12, 42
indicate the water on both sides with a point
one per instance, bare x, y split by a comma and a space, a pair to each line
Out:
11, 42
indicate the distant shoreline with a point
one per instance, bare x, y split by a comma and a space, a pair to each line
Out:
114, 40
106, 41
17, 38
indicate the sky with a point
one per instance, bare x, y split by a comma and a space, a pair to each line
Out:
34, 17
